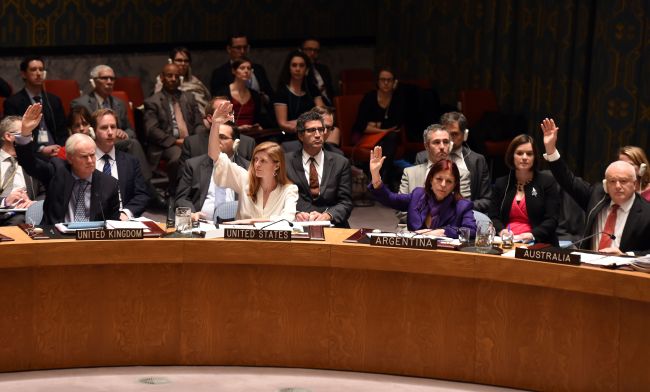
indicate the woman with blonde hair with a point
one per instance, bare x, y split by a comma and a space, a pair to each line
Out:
265, 192
636, 156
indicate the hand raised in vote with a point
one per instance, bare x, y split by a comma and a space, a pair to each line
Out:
31, 119
550, 134
222, 114
376, 160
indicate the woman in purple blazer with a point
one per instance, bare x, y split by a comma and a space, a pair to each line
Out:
438, 206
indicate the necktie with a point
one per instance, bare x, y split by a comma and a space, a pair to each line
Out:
107, 164
37, 98
106, 104
610, 226
180, 121
81, 213
314, 188
7, 183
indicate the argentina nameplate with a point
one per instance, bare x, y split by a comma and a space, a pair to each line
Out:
254, 234
548, 255
110, 234
404, 242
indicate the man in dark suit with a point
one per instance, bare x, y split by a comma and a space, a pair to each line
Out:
613, 208
102, 77
122, 166
17, 188
474, 173
51, 133
196, 188
196, 145
238, 47
170, 116
323, 177
319, 74
75, 190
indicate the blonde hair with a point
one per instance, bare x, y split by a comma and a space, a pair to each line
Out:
277, 155
637, 156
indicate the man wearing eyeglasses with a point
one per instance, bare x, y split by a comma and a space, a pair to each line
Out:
222, 77
618, 218
102, 79
195, 186
323, 177
319, 74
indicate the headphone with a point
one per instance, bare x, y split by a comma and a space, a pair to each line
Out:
642, 169
92, 83
44, 74
465, 135
605, 184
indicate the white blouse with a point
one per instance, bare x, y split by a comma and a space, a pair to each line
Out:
280, 205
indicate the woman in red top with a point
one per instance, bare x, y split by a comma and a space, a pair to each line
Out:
246, 103
527, 200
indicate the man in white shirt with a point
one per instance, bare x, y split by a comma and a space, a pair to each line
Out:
617, 217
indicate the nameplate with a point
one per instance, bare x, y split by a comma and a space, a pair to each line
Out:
548, 255
110, 234
404, 242
253, 234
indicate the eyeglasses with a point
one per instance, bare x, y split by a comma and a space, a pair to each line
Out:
224, 137
106, 78
240, 47
314, 129
329, 128
621, 181
182, 61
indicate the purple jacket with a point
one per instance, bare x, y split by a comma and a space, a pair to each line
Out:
447, 214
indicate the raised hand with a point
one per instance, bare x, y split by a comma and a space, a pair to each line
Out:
376, 162
31, 119
550, 134
223, 113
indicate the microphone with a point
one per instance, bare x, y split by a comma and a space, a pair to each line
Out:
612, 236
101, 207
277, 221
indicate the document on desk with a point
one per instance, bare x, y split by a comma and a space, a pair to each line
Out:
117, 224
603, 260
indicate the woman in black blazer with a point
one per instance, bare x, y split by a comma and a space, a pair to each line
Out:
526, 201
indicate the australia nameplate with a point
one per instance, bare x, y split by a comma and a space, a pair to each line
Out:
110, 234
404, 242
548, 255
254, 234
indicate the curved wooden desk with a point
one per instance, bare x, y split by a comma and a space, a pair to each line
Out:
326, 305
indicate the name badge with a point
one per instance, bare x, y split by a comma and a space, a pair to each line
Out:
42, 136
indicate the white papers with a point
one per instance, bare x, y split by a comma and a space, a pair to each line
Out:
313, 223
216, 233
117, 224
604, 260
281, 225
204, 227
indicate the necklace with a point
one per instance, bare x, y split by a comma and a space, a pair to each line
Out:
521, 185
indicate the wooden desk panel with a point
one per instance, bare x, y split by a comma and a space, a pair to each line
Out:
327, 305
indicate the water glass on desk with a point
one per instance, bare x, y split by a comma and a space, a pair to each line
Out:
183, 220
484, 237
463, 236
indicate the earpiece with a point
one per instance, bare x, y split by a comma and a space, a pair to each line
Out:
395, 83
169, 61
451, 147
92, 83
91, 132
465, 135
44, 75
235, 146
642, 169
605, 184
181, 78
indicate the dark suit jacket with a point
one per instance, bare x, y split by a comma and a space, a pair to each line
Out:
325, 73
52, 112
56, 174
196, 145
195, 180
543, 206
135, 195
593, 198
479, 173
158, 118
222, 77
89, 101
335, 188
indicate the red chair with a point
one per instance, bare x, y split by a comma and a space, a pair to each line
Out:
347, 107
356, 81
132, 86
129, 106
66, 90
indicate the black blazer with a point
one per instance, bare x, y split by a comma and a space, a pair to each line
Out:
335, 188
593, 198
222, 77
542, 202
479, 183
52, 112
135, 195
325, 73
56, 174
195, 178
196, 145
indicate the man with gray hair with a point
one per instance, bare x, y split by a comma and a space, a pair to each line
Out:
17, 188
618, 218
76, 191
437, 144
102, 78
